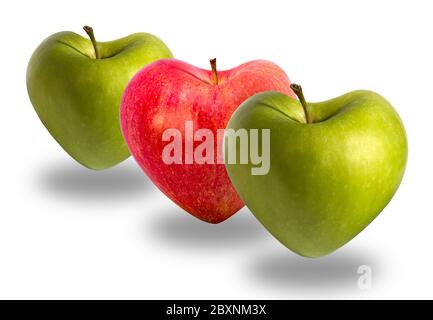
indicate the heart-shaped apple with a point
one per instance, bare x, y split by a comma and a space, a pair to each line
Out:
75, 85
170, 98
334, 166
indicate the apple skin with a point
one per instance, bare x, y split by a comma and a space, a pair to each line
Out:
328, 179
169, 92
77, 97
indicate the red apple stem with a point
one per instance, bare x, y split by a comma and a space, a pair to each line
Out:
297, 89
214, 71
89, 31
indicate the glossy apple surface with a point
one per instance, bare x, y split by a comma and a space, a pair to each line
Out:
77, 97
169, 92
328, 179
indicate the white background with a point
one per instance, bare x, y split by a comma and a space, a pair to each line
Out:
68, 232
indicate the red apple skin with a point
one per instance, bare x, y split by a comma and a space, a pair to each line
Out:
168, 92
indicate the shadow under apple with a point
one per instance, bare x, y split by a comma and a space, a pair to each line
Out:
177, 228
72, 181
287, 271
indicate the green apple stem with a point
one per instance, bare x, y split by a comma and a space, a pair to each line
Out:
89, 31
297, 89
214, 71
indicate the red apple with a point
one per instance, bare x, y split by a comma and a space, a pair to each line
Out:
166, 94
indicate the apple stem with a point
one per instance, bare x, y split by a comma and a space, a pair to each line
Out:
214, 71
297, 89
89, 31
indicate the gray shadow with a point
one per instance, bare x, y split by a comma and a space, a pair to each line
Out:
287, 271
178, 228
71, 180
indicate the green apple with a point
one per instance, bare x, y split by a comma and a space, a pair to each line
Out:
334, 166
75, 85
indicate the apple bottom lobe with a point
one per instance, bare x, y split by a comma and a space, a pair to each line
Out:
202, 192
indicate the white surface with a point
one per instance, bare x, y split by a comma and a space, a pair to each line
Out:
67, 232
